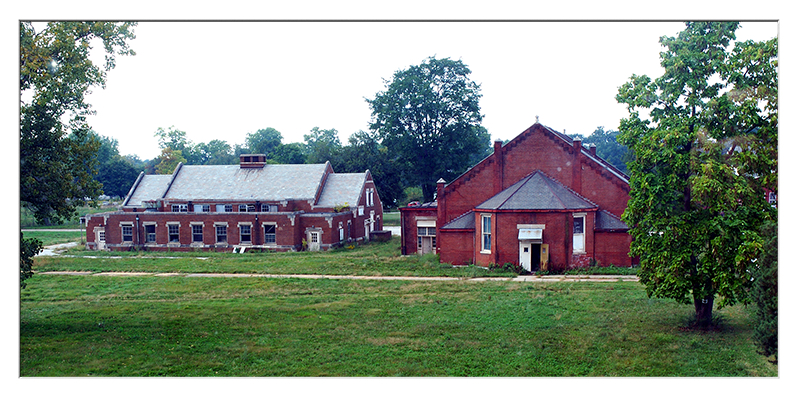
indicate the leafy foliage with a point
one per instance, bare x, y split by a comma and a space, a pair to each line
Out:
765, 292
608, 148
704, 153
322, 145
27, 249
429, 117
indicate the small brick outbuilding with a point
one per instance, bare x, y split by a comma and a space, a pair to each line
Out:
542, 201
240, 207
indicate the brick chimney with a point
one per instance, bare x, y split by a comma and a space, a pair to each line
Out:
593, 150
441, 205
499, 167
252, 160
576, 165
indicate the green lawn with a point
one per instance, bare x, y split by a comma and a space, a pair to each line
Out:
192, 326
391, 218
184, 326
374, 258
56, 237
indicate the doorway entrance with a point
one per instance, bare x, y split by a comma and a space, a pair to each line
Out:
533, 255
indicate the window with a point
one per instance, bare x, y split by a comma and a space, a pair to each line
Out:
180, 208
341, 232
224, 208
202, 208
222, 233
426, 231
360, 210
174, 232
370, 197
244, 234
127, 233
314, 237
150, 233
578, 223
243, 208
269, 208
197, 233
101, 236
269, 233
486, 233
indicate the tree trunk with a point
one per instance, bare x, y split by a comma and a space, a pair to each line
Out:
702, 311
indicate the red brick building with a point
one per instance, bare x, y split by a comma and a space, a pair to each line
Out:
543, 201
245, 206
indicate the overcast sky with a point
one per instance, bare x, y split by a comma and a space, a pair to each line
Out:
223, 80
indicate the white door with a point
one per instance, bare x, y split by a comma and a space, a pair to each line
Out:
525, 255
313, 241
100, 238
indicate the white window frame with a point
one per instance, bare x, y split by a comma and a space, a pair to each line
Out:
147, 235
217, 235
580, 238
122, 227
486, 234
274, 233
180, 208
201, 233
170, 234
249, 227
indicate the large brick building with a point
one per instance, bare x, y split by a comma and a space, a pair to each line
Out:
245, 206
542, 201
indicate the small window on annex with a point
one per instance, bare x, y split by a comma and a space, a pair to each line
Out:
486, 233
578, 235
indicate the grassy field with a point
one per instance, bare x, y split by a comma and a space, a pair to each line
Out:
185, 326
56, 237
192, 326
373, 259
28, 221
391, 218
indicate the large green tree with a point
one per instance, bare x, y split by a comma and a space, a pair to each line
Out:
429, 116
704, 138
322, 145
608, 148
364, 152
264, 141
57, 151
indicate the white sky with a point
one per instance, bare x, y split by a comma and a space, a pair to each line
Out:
223, 80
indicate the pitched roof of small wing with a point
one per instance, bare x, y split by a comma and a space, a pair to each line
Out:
150, 187
607, 221
537, 191
231, 182
464, 222
342, 188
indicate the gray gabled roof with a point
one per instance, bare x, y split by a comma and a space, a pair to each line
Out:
464, 222
341, 189
537, 191
607, 221
231, 182
149, 187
